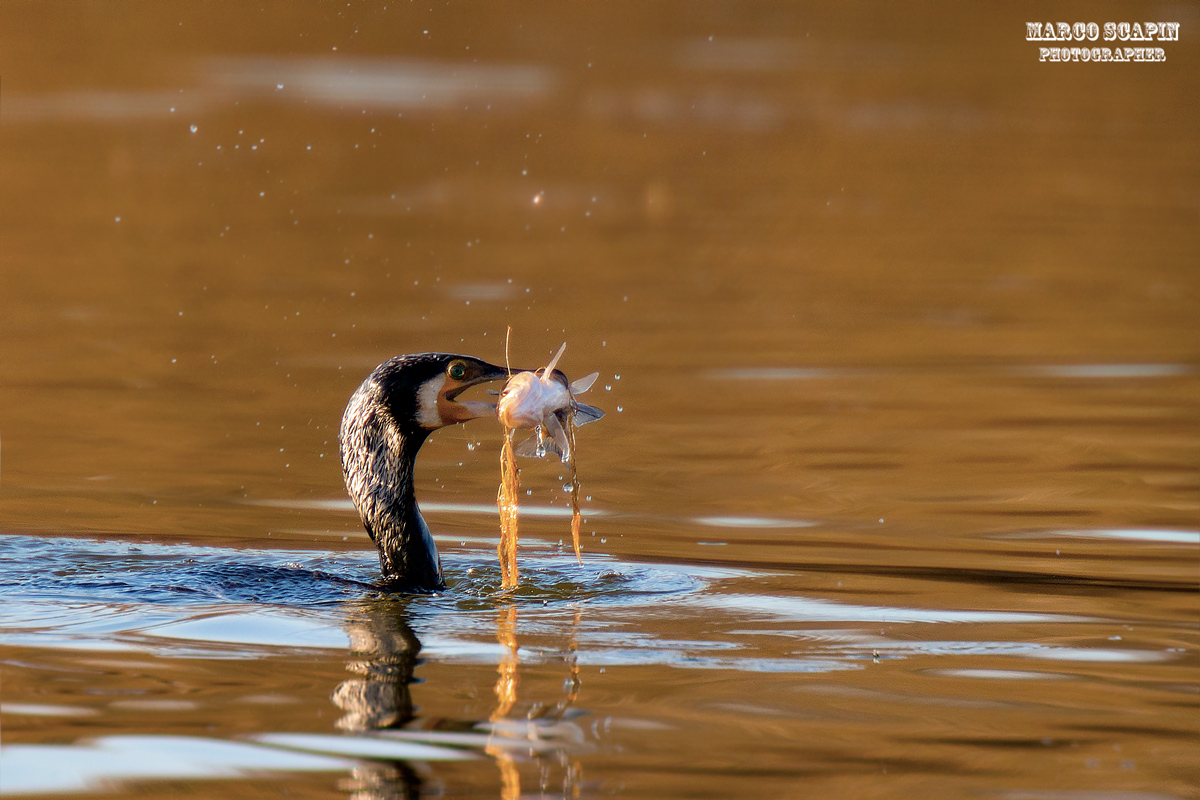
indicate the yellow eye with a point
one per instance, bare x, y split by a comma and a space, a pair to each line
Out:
458, 370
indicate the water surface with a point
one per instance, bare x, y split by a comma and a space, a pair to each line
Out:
897, 492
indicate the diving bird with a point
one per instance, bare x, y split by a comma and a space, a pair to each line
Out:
385, 423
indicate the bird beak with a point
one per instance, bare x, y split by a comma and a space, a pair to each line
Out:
454, 411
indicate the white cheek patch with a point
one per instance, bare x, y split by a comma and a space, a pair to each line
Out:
427, 403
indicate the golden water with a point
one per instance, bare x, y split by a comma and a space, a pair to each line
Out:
897, 493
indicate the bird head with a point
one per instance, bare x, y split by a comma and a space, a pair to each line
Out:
422, 391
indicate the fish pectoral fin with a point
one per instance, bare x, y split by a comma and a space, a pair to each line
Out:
585, 414
558, 441
529, 448
583, 384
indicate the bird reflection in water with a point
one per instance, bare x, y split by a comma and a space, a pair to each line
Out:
379, 698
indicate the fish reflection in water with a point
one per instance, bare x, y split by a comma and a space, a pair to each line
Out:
378, 699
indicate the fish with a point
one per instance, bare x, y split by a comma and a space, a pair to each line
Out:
542, 401
545, 402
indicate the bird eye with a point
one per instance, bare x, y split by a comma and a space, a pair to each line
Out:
458, 370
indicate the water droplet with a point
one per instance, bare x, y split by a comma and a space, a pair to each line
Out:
620, 409
470, 445
607, 387
616, 377
194, 129
567, 487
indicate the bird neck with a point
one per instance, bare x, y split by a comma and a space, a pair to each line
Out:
378, 460
408, 556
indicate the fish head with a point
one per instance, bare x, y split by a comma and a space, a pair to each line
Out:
523, 401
